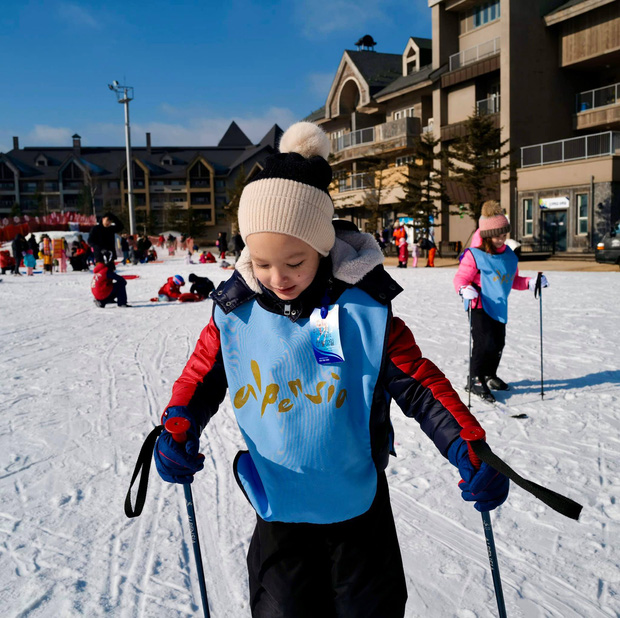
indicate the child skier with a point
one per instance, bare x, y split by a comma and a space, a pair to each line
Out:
171, 290
303, 336
486, 275
107, 286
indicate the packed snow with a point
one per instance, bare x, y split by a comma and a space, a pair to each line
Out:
83, 386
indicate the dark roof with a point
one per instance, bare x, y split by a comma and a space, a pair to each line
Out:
378, 69
317, 114
234, 148
423, 43
405, 81
234, 137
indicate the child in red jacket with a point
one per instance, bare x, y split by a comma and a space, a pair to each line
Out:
171, 290
108, 287
403, 253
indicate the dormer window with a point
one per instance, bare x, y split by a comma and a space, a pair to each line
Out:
167, 160
41, 161
412, 63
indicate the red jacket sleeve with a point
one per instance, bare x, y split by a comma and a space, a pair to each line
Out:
422, 391
202, 384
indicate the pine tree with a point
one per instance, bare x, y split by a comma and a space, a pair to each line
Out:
424, 188
474, 161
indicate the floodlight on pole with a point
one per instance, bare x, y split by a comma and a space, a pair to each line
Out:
124, 94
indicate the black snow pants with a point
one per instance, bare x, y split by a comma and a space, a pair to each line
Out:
350, 569
489, 338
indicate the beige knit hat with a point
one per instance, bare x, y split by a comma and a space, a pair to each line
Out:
493, 221
290, 195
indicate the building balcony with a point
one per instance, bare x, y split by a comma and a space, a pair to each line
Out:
488, 106
573, 149
599, 107
473, 54
373, 140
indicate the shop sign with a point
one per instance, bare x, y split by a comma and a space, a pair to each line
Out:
554, 203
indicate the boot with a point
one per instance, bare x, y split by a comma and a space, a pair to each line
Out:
497, 384
478, 387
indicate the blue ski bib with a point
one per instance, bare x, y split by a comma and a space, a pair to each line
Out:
306, 425
497, 272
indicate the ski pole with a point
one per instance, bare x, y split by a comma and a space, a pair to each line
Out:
470, 434
178, 427
538, 290
468, 309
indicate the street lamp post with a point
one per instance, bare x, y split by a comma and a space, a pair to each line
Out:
124, 94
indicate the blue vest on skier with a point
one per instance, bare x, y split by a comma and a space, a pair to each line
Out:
497, 273
291, 410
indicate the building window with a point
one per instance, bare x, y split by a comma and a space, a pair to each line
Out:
528, 217
582, 214
404, 113
405, 160
484, 13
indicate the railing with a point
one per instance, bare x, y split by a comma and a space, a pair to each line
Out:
353, 182
7, 186
355, 138
467, 56
488, 106
380, 133
599, 97
585, 147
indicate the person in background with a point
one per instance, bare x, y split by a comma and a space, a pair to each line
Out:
108, 286
203, 286
33, 245
403, 253
485, 277
171, 290
415, 254
221, 244
30, 262
304, 338
238, 244
102, 238
19, 248
125, 249
45, 249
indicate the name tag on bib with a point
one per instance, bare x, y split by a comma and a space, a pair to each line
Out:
325, 335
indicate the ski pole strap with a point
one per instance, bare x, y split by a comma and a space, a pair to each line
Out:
561, 504
142, 464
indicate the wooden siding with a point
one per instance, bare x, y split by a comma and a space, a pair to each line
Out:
590, 35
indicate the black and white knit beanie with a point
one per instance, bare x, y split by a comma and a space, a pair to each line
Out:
290, 195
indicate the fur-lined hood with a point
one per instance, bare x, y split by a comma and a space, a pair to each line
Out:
353, 255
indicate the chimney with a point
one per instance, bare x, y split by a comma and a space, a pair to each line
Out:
15, 142
148, 143
77, 144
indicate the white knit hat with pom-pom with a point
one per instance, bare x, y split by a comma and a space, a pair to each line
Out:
290, 195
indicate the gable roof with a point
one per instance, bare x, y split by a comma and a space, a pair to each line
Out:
377, 69
234, 137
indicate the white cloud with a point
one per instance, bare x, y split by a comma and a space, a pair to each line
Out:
77, 16
44, 135
195, 130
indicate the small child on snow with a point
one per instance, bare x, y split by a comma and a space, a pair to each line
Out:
30, 262
171, 290
108, 286
403, 253
486, 275
201, 286
305, 316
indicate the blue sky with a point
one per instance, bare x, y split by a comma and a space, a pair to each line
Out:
195, 65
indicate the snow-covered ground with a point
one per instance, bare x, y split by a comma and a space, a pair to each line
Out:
82, 387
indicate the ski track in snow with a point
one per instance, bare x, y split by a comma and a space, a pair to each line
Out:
82, 387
